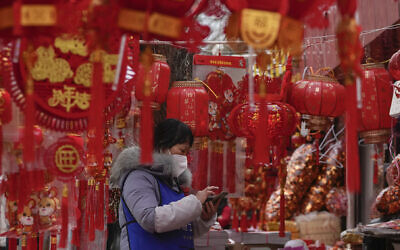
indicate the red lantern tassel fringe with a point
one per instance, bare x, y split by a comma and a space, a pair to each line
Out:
41, 238
96, 116
146, 133
352, 158
254, 221
17, 18
282, 214
12, 243
32, 243
231, 165
64, 218
1, 149
243, 222
203, 164
235, 221
287, 78
29, 142
92, 226
261, 154
100, 206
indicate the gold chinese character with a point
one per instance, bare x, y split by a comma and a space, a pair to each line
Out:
69, 99
67, 158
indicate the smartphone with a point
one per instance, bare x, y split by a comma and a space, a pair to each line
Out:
216, 198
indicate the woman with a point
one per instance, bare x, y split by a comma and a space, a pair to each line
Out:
153, 212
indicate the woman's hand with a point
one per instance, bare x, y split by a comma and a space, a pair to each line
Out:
203, 194
209, 209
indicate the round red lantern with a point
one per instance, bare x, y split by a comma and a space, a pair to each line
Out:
187, 101
394, 65
160, 74
318, 98
374, 120
281, 119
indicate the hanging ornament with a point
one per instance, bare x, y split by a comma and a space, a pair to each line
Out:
188, 102
374, 120
65, 158
62, 76
319, 99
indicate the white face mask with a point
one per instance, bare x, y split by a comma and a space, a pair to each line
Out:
180, 165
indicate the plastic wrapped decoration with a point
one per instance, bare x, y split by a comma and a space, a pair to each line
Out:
387, 202
330, 176
301, 172
336, 201
374, 120
392, 172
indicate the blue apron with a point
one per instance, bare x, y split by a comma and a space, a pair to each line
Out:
140, 239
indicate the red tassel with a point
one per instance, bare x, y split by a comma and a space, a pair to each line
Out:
146, 133
201, 173
107, 193
32, 243
261, 154
317, 137
254, 221
287, 78
88, 204
41, 238
17, 18
12, 243
64, 218
243, 222
235, 221
1, 149
231, 164
28, 139
100, 206
352, 157
92, 227
220, 166
96, 116
282, 215
376, 169
53, 242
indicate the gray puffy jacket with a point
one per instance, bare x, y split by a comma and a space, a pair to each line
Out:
142, 195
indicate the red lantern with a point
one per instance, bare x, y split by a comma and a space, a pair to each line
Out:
374, 121
187, 101
394, 65
319, 98
160, 74
281, 118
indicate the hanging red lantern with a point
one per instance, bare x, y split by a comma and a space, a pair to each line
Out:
281, 119
394, 65
159, 76
374, 120
318, 98
187, 101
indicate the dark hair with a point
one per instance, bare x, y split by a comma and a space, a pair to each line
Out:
171, 132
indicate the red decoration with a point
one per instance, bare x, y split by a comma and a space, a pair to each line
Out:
65, 158
159, 76
374, 120
62, 79
319, 97
188, 102
394, 65
5, 116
